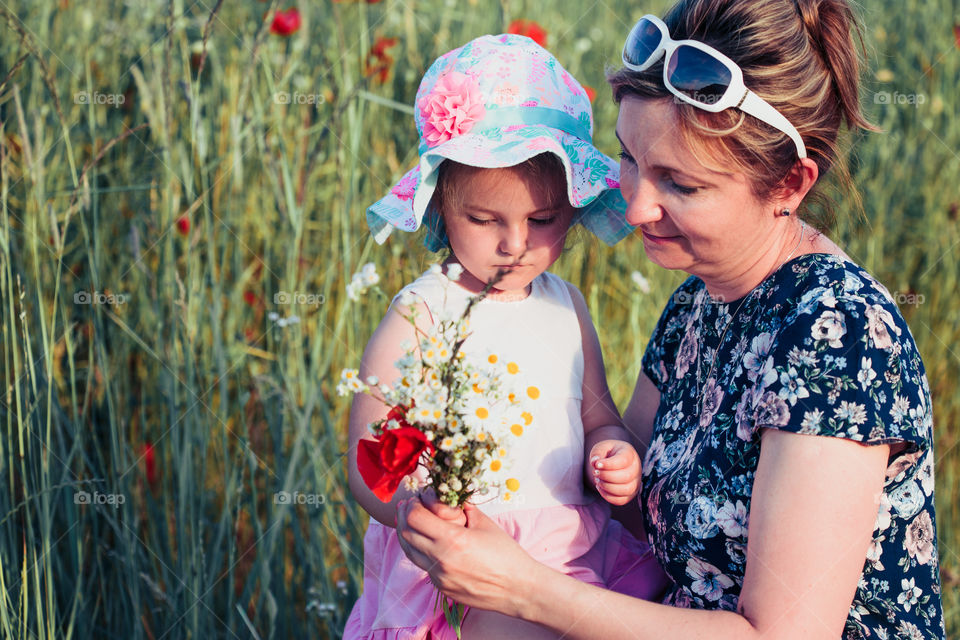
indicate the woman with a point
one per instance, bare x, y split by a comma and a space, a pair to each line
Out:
781, 391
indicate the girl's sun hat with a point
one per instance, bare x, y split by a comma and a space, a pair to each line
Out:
496, 102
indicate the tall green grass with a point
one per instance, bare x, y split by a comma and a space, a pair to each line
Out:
173, 348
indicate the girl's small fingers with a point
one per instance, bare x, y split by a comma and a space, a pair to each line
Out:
619, 476
616, 461
615, 494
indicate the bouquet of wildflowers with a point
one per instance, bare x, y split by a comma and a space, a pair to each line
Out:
448, 412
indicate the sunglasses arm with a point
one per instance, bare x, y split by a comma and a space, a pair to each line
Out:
760, 108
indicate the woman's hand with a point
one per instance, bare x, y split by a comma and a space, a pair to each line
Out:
478, 565
614, 466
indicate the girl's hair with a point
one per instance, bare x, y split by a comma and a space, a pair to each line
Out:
544, 168
798, 55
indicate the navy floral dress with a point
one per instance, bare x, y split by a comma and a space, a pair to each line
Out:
818, 348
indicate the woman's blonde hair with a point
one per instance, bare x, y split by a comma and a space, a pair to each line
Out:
798, 55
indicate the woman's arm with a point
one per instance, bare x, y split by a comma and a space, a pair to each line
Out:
813, 511
641, 412
616, 471
378, 360
638, 419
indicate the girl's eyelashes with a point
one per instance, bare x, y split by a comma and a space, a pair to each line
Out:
542, 222
624, 156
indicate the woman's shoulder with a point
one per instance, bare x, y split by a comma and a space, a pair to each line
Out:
816, 276
812, 285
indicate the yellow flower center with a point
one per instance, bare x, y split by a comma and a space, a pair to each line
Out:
482, 413
513, 484
533, 392
512, 367
517, 429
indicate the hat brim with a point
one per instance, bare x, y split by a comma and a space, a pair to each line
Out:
592, 180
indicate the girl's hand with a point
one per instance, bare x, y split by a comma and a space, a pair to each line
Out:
614, 466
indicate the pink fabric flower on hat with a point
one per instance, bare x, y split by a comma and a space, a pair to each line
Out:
452, 108
406, 188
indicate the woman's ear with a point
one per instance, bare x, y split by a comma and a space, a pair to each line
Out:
798, 182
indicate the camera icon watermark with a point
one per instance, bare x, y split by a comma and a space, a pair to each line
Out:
112, 499
285, 97
912, 99
111, 99
295, 497
299, 297
97, 297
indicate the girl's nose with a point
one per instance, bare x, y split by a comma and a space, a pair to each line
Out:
513, 240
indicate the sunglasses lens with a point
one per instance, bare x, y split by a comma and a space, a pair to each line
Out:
643, 40
698, 75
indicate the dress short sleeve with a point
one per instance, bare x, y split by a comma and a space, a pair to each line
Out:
845, 366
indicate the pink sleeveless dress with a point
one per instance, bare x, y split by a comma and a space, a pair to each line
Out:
551, 516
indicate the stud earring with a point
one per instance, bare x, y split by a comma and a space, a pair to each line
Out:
785, 212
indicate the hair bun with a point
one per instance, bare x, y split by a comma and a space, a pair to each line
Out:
831, 27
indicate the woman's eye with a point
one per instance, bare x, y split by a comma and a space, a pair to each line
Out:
624, 156
479, 221
683, 189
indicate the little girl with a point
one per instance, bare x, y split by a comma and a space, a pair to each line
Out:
506, 167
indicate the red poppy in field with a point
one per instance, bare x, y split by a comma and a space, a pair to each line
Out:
183, 225
379, 62
384, 462
530, 29
150, 462
250, 297
956, 34
286, 23
591, 92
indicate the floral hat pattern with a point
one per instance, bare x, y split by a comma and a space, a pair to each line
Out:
496, 102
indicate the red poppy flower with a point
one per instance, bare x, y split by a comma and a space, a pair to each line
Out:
286, 23
250, 298
379, 62
591, 92
384, 462
530, 29
956, 34
150, 462
183, 225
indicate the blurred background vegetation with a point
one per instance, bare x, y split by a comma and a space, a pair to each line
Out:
183, 187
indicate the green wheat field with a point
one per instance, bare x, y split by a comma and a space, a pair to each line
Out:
183, 197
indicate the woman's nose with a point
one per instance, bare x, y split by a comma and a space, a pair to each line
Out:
643, 204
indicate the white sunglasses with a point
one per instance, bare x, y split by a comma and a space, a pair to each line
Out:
699, 75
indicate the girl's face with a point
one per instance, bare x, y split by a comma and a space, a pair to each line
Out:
506, 219
692, 218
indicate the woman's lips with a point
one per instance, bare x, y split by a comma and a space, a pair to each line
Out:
657, 239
